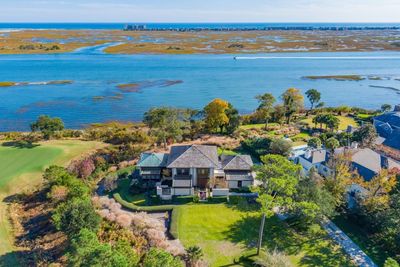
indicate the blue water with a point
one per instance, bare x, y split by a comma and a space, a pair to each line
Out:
116, 26
204, 77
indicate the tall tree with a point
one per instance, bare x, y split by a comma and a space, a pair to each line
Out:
167, 123
376, 196
341, 177
215, 115
293, 101
331, 144
365, 135
314, 142
386, 107
47, 125
332, 122
233, 119
278, 179
280, 146
313, 96
266, 106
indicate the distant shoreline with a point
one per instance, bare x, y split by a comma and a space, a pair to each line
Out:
201, 26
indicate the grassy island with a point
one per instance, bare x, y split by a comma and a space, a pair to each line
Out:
336, 77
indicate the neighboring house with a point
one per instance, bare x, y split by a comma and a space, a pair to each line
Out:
388, 127
316, 159
367, 162
190, 167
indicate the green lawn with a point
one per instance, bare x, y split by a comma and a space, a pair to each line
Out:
256, 126
21, 170
225, 233
360, 237
344, 122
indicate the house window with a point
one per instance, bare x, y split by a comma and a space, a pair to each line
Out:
182, 171
239, 184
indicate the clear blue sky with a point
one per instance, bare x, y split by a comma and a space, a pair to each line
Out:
200, 10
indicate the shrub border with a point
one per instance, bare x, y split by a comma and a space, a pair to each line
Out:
172, 209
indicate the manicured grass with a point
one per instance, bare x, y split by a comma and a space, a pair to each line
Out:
344, 122
256, 126
363, 116
225, 233
21, 170
361, 238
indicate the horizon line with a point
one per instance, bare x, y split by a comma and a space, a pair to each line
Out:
194, 22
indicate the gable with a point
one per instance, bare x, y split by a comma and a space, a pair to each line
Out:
238, 162
157, 160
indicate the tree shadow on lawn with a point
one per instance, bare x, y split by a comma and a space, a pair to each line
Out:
20, 144
314, 249
38, 236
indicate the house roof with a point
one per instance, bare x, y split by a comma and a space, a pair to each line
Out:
393, 140
193, 156
157, 160
368, 163
383, 129
236, 162
316, 156
392, 118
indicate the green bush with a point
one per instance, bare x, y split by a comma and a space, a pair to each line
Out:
196, 199
160, 258
391, 263
236, 199
173, 229
133, 207
74, 215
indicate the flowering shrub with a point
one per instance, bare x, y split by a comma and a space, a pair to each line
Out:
151, 227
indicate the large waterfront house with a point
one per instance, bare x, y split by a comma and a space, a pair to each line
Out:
388, 127
195, 167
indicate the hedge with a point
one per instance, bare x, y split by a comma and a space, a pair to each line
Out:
133, 207
173, 228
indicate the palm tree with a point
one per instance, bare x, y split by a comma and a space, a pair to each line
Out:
193, 254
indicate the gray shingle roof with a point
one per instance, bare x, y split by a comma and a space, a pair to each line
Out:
194, 156
236, 162
368, 163
316, 156
157, 160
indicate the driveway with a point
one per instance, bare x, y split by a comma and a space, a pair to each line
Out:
353, 250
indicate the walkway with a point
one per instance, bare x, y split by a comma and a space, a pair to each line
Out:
353, 250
